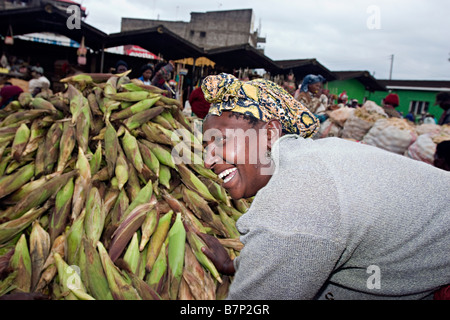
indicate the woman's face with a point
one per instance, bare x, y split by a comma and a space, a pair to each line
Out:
315, 87
236, 151
147, 74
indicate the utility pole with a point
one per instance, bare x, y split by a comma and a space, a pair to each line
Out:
392, 66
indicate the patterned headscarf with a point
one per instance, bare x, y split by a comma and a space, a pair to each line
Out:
261, 99
311, 79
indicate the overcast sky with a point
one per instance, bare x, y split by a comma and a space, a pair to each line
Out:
341, 34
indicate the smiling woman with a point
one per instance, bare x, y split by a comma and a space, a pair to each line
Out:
318, 226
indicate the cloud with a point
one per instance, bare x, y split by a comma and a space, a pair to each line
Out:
337, 33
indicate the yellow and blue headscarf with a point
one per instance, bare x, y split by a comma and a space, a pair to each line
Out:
261, 99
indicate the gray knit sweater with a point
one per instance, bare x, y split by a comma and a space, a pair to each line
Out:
343, 220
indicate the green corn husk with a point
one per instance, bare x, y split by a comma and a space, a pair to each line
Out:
20, 141
39, 196
149, 158
67, 145
131, 149
177, 241
61, 213
70, 281
97, 281
148, 227
140, 106
39, 251
127, 228
96, 161
94, 219
120, 288
132, 254
138, 119
21, 262
111, 147
156, 276
157, 239
12, 182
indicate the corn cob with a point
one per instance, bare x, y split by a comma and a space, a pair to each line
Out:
130, 96
111, 147
194, 183
127, 228
134, 109
203, 211
21, 262
149, 158
148, 227
13, 182
74, 237
164, 156
196, 244
40, 103
155, 277
82, 183
121, 169
25, 99
121, 289
97, 282
177, 241
39, 251
96, 161
157, 239
51, 146
94, 219
49, 268
20, 141
131, 256
70, 281
138, 119
131, 149
67, 144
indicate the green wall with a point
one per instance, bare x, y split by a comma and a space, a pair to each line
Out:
356, 90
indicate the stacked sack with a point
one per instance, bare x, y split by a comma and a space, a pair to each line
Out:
94, 204
371, 125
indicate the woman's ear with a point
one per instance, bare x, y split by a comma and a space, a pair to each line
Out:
274, 132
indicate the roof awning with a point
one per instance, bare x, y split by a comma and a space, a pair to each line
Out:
241, 56
158, 40
48, 18
303, 67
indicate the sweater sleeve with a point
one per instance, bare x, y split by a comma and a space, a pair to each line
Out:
270, 268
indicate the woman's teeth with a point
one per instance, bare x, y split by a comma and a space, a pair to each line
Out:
227, 174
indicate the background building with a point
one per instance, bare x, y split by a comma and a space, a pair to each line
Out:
210, 29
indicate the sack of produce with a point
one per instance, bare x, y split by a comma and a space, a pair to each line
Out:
423, 149
341, 115
362, 119
328, 129
427, 128
393, 134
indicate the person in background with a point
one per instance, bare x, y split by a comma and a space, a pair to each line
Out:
442, 155
162, 76
317, 228
147, 74
121, 67
289, 84
199, 105
429, 119
9, 93
38, 82
389, 104
312, 97
410, 117
443, 101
